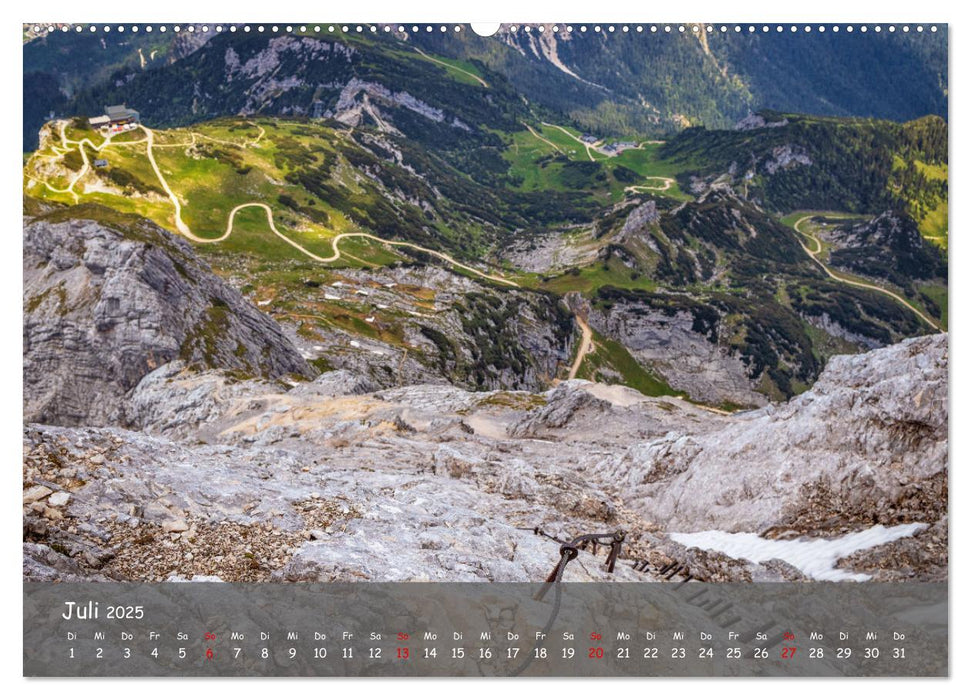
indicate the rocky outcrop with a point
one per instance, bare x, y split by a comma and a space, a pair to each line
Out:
637, 221
187, 42
268, 60
867, 444
260, 78
359, 96
672, 346
512, 340
327, 481
757, 121
554, 251
786, 156
177, 401
108, 300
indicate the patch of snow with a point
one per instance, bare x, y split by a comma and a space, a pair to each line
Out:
814, 557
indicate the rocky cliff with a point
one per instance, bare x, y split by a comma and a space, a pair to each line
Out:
331, 480
109, 298
424, 324
866, 445
674, 347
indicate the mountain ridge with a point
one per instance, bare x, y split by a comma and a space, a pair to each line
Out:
597, 79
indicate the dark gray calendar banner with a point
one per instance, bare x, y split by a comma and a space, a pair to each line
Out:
427, 629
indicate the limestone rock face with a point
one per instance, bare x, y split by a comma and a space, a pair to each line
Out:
216, 477
640, 218
686, 358
468, 334
867, 444
176, 401
105, 305
393, 510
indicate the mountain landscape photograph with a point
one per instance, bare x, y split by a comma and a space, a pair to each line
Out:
351, 303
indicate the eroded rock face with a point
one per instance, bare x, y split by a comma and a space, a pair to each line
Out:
104, 306
639, 219
757, 121
251, 480
315, 509
686, 358
867, 444
175, 400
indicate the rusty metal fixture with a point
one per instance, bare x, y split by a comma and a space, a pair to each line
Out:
570, 550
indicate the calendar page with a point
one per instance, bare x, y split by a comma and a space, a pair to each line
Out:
548, 349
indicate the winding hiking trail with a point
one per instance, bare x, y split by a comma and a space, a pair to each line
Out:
668, 182
586, 346
449, 65
574, 137
183, 228
864, 285
68, 146
586, 339
543, 138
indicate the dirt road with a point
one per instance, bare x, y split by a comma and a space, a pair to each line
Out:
853, 283
586, 346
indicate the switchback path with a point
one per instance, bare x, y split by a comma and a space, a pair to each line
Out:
818, 248
67, 146
667, 182
449, 65
184, 229
586, 346
543, 138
